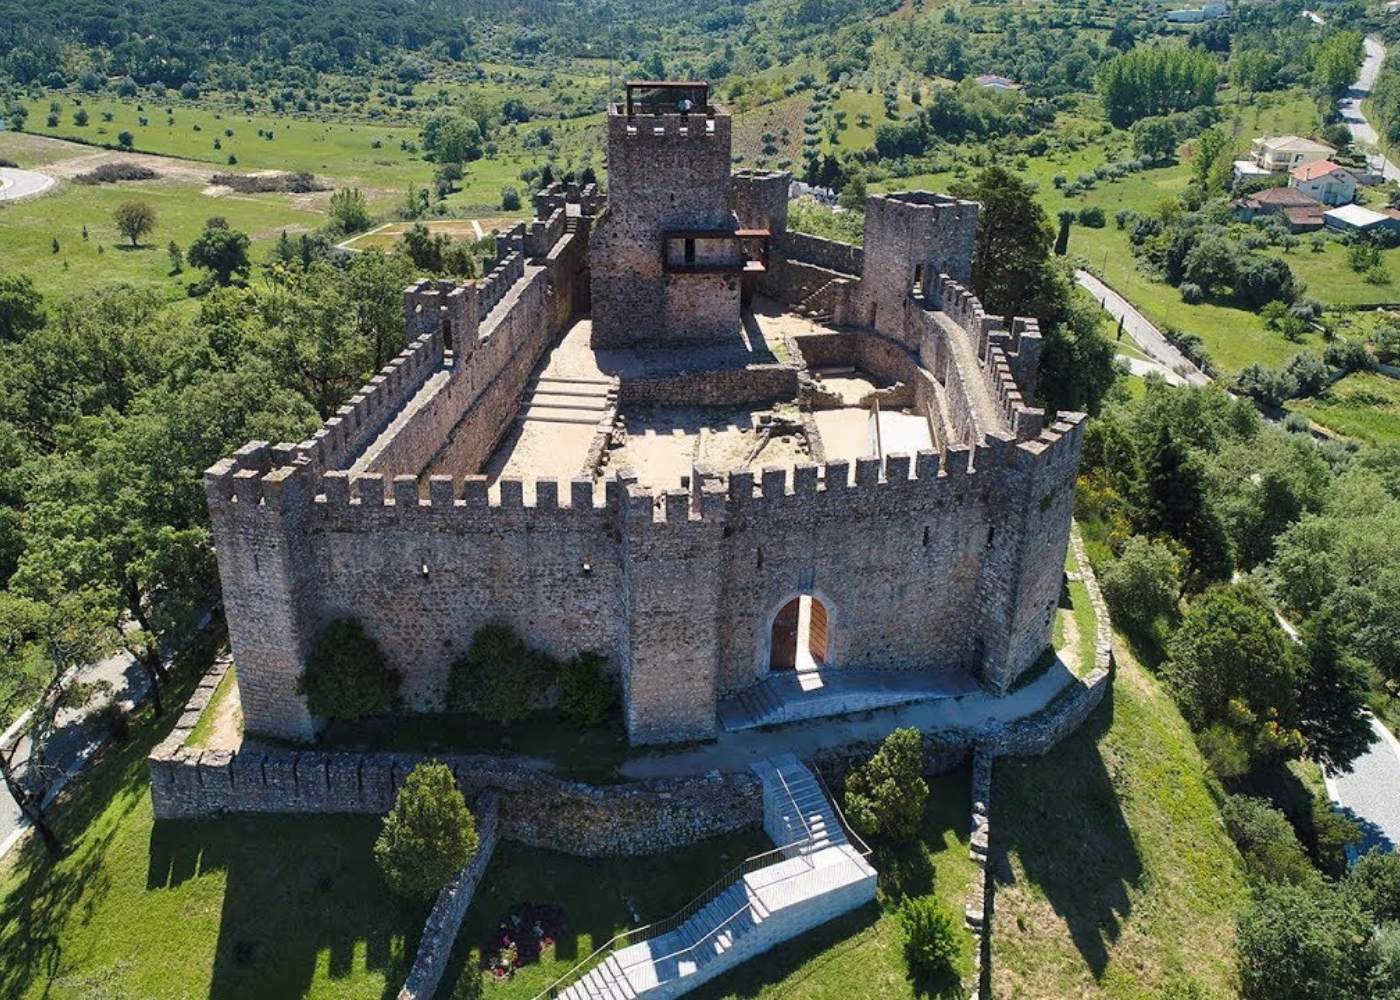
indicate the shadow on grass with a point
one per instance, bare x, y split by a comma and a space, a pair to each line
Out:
1060, 816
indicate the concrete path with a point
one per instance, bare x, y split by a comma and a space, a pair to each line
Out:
1350, 106
1141, 329
1370, 793
739, 751
17, 184
1140, 367
76, 739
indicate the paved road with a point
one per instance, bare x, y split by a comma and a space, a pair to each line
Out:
1137, 326
1140, 367
75, 740
1350, 106
16, 184
1370, 793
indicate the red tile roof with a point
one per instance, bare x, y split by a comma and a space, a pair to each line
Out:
1312, 171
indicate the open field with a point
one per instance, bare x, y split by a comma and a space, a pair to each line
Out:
387, 236
1114, 877
29, 229
1364, 405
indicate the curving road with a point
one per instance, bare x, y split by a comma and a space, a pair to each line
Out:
1141, 329
17, 184
1362, 133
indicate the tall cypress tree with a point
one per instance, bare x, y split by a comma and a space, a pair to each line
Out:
1173, 502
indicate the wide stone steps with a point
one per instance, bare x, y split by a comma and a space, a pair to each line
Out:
791, 696
566, 400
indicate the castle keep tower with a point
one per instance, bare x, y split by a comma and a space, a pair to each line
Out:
666, 257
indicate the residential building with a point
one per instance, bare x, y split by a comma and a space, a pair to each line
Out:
1324, 180
1284, 152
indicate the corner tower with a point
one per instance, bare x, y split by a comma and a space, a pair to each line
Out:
665, 256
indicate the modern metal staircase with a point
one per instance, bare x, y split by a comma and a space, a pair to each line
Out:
815, 875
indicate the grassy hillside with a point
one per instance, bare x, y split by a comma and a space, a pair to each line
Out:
1114, 877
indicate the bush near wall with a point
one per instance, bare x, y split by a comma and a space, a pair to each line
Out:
346, 675
500, 678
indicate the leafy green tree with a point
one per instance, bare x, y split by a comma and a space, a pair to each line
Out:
1013, 275
586, 697
1154, 138
1304, 941
1174, 502
853, 193
1332, 696
886, 795
429, 835
1154, 81
1374, 882
134, 220
1336, 60
1143, 587
1062, 237
346, 675
21, 307
451, 137
222, 251
349, 210
1230, 665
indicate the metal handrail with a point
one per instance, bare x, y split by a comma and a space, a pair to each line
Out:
795, 808
851, 835
635, 935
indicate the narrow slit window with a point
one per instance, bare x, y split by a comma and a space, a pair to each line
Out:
690, 250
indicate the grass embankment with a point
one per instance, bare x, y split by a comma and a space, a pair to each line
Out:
209, 720
1114, 876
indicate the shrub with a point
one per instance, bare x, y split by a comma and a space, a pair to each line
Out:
111, 173
930, 940
510, 199
1142, 586
585, 695
1191, 293
886, 795
346, 675
429, 835
1374, 882
1091, 216
1297, 941
500, 678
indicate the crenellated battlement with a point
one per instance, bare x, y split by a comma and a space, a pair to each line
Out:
589, 199
492, 288
712, 124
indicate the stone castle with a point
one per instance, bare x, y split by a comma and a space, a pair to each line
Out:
667, 429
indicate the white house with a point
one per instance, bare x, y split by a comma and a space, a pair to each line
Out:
1358, 219
1324, 180
1195, 15
1284, 152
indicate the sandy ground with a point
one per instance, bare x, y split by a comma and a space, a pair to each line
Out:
227, 730
664, 443
846, 433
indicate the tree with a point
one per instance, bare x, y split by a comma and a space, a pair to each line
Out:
429, 835
125, 139
886, 795
451, 137
134, 220
349, 210
586, 697
1266, 841
930, 939
1332, 696
500, 678
853, 193
221, 251
177, 257
1013, 275
1173, 501
1154, 138
1142, 586
1062, 238
1230, 665
1306, 942
1336, 60
1154, 81
1374, 882
42, 645
21, 307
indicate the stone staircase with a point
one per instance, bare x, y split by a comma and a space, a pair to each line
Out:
559, 400
814, 875
794, 695
819, 306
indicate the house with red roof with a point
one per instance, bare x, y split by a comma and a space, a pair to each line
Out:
1324, 180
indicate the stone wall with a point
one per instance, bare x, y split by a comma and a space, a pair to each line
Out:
445, 918
830, 255
536, 807
719, 387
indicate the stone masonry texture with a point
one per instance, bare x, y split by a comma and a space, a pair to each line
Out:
949, 558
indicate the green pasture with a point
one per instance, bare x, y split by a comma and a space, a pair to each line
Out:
1364, 405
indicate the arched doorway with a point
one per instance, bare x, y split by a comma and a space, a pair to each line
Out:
799, 638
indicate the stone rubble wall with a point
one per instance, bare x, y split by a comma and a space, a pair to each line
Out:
829, 255
749, 384
445, 918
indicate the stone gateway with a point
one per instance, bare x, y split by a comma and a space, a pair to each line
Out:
666, 429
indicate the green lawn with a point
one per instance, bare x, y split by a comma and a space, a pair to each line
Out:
28, 230
204, 727
1364, 405
1114, 876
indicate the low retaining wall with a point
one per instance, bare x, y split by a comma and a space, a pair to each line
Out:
720, 387
445, 919
536, 807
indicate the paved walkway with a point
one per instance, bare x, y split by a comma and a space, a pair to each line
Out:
1141, 329
739, 750
17, 184
1140, 367
1370, 793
